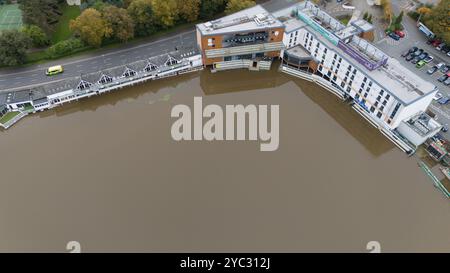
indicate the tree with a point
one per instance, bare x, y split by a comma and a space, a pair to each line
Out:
369, 18
165, 12
119, 22
42, 13
237, 5
188, 10
13, 47
208, 8
438, 20
91, 27
37, 35
141, 11
366, 14
399, 19
387, 9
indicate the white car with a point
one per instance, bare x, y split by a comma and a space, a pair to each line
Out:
428, 59
448, 53
439, 65
438, 96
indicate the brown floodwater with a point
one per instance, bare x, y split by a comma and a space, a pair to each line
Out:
105, 172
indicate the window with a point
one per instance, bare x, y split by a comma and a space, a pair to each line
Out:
381, 92
395, 111
382, 108
372, 109
378, 98
388, 96
334, 78
376, 104
348, 89
370, 83
325, 50
335, 56
365, 79
342, 84
385, 102
379, 114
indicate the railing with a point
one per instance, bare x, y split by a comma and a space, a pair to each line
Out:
242, 50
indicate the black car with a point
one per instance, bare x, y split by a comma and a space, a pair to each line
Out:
406, 53
409, 57
413, 49
442, 78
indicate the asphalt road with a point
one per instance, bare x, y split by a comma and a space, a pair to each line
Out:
18, 78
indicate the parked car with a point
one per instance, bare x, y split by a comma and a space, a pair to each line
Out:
429, 41
447, 81
442, 78
445, 69
440, 65
406, 53
400, 33
410, 57
428, 59
420, 64
413, 49
444, 128
432, 70
416, 60
440, 46
423, 56
446, 49
438, 96
418, 52
435, 43
394, 36
443, 100
448, 53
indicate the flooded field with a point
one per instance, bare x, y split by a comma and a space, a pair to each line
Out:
106, 172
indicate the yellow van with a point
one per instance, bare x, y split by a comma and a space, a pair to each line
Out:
54, 70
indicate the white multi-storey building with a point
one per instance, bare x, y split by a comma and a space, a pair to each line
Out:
386, 93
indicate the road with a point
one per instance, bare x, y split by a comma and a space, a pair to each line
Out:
19, 78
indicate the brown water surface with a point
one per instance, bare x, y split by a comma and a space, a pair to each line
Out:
106, 172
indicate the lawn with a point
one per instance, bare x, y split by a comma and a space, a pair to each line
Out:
345, 19
62, 31
10, 17
9, 116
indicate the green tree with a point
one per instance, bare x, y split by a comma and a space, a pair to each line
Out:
209, 8
119, 22
366, 14
42, 13
65, 47
13, 47
91, 27
37, 35
188, 10
141, 11
237, 5
369, 18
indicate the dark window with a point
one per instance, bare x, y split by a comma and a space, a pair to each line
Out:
379, 114
378, 98
372, 109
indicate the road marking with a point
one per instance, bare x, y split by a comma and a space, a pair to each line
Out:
110, 53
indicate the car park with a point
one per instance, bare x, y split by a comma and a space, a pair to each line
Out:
428, 59
432, 70
442, 78
420, 64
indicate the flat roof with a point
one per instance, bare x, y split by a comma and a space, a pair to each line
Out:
299, 51
405, 85
252, 19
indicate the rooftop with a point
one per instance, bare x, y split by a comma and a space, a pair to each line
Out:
251, 19
393, 77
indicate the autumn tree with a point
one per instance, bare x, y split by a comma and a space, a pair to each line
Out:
387, 9
237, 5
438, 20
188, 10
141, 11
165, 12
91, 27
119, 22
